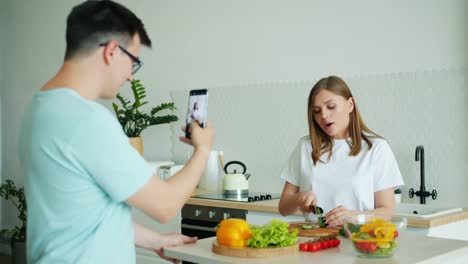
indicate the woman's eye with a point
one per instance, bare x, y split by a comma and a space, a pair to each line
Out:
331, 107
316, 111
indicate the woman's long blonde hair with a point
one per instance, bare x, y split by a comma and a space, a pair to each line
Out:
321, 142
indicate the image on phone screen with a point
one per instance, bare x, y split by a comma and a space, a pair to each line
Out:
197, 109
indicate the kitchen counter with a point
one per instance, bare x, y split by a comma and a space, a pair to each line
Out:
267, 206
271, 206
415, 248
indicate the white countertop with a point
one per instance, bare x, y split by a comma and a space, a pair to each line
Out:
414, 248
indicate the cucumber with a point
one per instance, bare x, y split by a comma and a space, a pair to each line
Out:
321, 221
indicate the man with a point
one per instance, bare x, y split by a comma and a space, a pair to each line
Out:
82, 175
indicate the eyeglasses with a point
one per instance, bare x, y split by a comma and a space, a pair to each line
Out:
136, 62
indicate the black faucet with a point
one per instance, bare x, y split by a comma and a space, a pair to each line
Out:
422, 193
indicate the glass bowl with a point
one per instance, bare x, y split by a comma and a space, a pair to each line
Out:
373, 236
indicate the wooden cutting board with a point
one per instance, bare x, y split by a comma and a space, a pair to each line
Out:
314, 232
247, 252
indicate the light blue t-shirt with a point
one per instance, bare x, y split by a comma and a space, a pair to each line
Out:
79, 170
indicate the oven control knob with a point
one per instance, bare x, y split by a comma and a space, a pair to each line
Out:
268, 197
226, 215
262, 197
250, 199
197, 212
211, 214
256, 198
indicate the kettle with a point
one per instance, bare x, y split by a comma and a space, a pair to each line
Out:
235, 183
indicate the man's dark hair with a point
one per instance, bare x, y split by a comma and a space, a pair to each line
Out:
95, 22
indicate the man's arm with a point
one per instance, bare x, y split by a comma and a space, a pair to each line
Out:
162, 200
148, 239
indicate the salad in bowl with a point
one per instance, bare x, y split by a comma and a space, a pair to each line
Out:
373, 235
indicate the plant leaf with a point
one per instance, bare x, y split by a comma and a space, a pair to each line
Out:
134, 121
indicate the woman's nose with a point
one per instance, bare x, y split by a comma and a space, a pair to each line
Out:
324, 114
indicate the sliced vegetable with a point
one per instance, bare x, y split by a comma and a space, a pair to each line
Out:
376, 237
342, 232
321, 221
308, 226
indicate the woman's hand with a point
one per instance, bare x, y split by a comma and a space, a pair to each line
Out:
173, 239
334, 218
305, 200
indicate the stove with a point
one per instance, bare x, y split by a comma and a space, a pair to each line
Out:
245, 198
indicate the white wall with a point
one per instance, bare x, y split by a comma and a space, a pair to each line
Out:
2, 64
209, 43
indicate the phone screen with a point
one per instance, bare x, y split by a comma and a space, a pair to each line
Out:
197, 109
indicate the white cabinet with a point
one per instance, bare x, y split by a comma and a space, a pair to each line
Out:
456, 230
144, 256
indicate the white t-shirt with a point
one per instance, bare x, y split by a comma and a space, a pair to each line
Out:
350, 181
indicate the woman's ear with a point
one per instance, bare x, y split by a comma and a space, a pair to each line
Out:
350, 104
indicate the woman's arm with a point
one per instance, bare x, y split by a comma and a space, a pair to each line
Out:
292, 200
288, 202
384, 204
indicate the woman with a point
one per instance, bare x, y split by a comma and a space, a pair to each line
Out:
194, 115
342, 167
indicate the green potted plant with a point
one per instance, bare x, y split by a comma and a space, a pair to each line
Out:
134, 121
17, 235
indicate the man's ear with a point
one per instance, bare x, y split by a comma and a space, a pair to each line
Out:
350, 104
110, 50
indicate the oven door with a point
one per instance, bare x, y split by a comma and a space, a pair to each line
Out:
197, 228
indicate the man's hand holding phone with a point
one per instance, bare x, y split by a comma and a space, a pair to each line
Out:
202, 138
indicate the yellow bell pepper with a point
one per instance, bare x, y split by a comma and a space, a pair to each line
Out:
233, 232
383, 232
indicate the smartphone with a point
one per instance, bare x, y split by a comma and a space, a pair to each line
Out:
197, 109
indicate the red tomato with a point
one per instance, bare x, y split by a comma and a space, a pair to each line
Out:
304, 246
323, 244
337, 242
371, 247
361, 247
313, 247
395, 234
319, 246
372, 233
366, 247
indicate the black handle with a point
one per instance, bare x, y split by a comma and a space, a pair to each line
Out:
235, 162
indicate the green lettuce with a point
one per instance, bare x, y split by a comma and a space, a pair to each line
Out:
274, 234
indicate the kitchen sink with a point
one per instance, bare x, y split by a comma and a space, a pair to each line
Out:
422, 210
